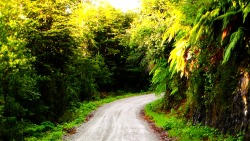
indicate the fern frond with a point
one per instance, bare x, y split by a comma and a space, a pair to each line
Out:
214, 13
176, 58
196, 28
175, 25
171, 32
227, 17
246, 12
203, 26
199, 15
235, 38
174, 91
160, 75
200, 32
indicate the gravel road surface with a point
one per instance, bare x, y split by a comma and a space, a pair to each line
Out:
118, 121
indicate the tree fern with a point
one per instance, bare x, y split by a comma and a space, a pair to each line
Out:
235, 38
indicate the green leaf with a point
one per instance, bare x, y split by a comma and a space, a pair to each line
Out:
174, 91
235, 38
246, 11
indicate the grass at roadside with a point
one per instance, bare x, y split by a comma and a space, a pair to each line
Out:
180, 129
48, 131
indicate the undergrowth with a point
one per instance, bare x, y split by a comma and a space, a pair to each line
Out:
73, 117
180, 129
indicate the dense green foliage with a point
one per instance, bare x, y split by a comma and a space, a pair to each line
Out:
200, 57
54, 54
61, 52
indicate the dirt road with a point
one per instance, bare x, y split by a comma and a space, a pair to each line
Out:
118, 121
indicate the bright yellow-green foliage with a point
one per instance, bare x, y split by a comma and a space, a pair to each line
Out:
206, 29
88, 18
11, 45
177, 56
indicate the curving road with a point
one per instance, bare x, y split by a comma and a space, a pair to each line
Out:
118, 121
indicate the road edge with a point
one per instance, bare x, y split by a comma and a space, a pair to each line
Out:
163, 135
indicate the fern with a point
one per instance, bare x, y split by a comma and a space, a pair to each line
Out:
197, 28
235, 38
171, 32
176, 58
203, 25
199, 15
246, 11
174, 91
227, 17
160, 75
200, 32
